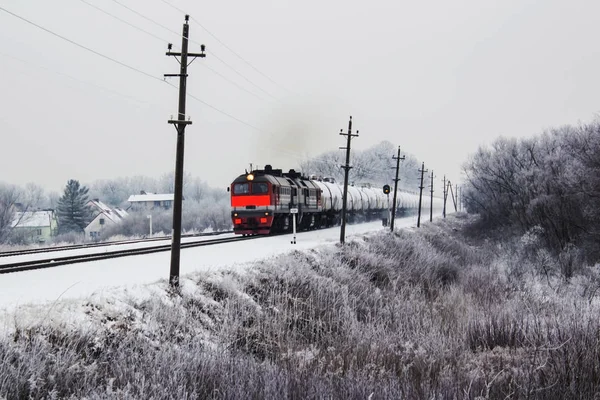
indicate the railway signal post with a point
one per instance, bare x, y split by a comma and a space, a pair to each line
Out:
422, 171
294, 212
180, 124
346, 167
398, 158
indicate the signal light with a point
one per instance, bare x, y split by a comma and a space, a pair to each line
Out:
237, 221
386, 189
263, 220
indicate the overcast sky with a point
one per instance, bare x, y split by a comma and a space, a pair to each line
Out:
438, 78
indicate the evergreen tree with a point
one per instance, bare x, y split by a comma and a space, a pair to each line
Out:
73, 212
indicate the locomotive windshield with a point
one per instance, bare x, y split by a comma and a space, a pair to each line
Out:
260, 188
241, 188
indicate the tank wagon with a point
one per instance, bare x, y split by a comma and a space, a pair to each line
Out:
264, 201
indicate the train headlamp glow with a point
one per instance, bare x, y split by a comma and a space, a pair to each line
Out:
250, 177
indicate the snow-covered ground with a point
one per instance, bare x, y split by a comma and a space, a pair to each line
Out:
79, 281
102, 249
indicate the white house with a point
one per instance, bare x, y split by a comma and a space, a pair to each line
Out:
104, 216
36, 226
151, 201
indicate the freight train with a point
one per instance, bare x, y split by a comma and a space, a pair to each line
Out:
264, 201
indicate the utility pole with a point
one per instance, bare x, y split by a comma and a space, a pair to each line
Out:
180, 124
453, 197
346, 171
431, 202
422, 171
398, 158
457, 205
445, 196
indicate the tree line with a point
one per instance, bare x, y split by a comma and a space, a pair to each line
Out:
374, 165
204, 207
547, 186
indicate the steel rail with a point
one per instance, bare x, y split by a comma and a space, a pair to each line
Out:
100, 244
58, 261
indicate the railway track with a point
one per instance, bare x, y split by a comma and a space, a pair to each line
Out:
58, 261
100, 244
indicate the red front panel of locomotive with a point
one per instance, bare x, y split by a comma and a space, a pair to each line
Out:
252, 204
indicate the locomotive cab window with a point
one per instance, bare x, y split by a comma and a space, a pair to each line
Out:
241, 188
260, 188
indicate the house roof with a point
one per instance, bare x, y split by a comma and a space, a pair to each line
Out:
32, 219
109, 215
120, 212
100, 206
137, 198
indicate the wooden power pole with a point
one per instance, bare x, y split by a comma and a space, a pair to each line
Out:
180, 124
346, 168
398, 158
422, 171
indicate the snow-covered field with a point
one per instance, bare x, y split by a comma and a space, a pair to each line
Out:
79, 281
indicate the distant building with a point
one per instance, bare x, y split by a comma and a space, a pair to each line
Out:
103, 217
151, 201
35, 226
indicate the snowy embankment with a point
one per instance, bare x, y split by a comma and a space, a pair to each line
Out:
43, 293
430, 313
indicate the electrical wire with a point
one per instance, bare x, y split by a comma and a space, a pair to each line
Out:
224, 45
123, 21
78, 80
213, 54
166, 41
80, 45
296, 155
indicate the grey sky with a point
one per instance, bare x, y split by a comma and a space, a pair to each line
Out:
438, 78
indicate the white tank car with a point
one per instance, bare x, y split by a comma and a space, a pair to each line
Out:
354, 199
331, 195
369, 198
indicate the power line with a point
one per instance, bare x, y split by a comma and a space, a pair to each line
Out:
219, 110
148, 19
196, 42
232, 82
147, 75
167, 41
243, 77
224, 45
124, 21
79, 80
80, 45
127, 66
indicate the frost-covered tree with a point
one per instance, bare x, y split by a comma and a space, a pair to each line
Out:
17, 199
9, 197
548, 183
73, 212
374, 165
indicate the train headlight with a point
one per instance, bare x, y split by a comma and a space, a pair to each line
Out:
250, 177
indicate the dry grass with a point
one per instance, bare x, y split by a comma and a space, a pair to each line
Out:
410, 315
